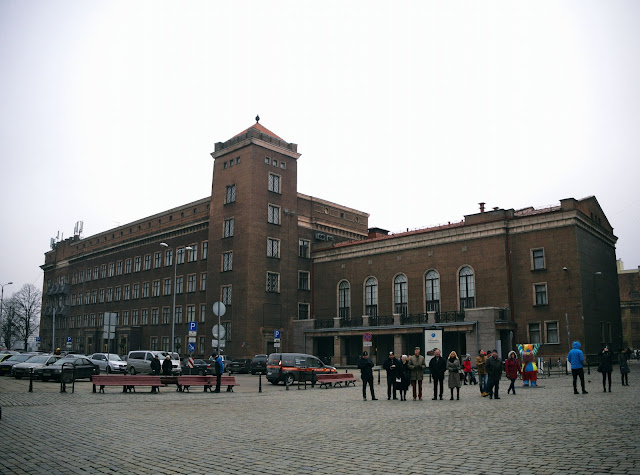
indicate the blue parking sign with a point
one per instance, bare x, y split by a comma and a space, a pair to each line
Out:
191, 347
69, 339
193, 326
276, 333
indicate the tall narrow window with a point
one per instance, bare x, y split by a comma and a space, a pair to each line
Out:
537, 259
273, 247
303, 248
180, 255
344, 299
540, 291
273, 282
205, 249
274, 214
303, 280
400, 294
467, 288
534, 333
432, 291
192, 255
551, 329
228, 227
303, 311
274, 183
225, 294
168, 257
230, 196
371, 297
227, 261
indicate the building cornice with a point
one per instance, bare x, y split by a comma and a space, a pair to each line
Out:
255, 141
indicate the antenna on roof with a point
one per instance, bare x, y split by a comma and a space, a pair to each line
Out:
257, 119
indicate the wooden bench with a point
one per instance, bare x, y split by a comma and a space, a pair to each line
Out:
327, 380
128, 382
206, 381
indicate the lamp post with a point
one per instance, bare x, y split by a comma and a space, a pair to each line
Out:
1, 302
174, 288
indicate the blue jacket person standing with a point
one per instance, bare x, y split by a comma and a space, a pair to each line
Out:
576, 359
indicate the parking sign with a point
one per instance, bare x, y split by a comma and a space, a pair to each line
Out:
69, 339
193, 326
276, 334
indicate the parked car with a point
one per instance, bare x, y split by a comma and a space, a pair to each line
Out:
199, 367
5, 366
84, 368
240, 365
139, 361
259, 364
36, 362
290, 367
109, 362
4, 356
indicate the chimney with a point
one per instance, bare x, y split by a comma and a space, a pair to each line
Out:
482, 206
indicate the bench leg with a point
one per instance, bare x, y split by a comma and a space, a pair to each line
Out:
94, 388
102, 389
229, 389
125, 389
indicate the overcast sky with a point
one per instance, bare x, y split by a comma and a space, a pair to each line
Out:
411, 111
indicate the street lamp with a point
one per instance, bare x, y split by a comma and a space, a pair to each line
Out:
2, 300
173, 307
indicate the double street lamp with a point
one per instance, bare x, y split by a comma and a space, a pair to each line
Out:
175, 289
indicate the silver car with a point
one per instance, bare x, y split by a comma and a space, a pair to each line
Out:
140, 361
109, 362
36, 363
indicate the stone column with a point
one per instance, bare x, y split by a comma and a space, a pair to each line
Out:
338, 357
397, 345
396, 319
365, 320
336, 322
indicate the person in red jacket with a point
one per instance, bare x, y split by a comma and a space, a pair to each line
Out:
512, 369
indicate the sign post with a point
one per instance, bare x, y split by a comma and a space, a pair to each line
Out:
276, 338
193, 331
218, 331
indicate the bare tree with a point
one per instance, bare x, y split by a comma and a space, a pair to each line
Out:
9, 333
26, 303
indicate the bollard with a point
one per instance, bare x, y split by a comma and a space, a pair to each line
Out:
30, 380
378, 375
260, 383
286, 383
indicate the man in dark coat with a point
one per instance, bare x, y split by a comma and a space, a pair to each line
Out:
437, 367
155, 366
167, 366
494, 371
365, 365
390, 366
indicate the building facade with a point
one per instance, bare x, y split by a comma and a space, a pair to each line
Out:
313, 269
629, 306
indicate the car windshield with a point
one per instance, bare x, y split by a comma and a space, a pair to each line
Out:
38, 359
19, 358
114, 358
62, 361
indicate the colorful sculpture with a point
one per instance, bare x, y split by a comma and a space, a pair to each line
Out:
528, 354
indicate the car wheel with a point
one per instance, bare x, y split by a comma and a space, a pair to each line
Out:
253, 373
17, 376
45, 379
108, 369
289, 379
274, 382
202, 372
132, 370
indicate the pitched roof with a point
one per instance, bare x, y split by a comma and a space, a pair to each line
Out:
262, 129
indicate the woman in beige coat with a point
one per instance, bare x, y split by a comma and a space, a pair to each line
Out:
453, 366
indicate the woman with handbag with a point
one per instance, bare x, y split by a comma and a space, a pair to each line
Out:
605, 367
453, 366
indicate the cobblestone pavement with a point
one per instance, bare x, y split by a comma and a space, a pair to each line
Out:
544, 430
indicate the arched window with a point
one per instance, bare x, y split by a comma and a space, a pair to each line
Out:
400, 294
467, 288
344, 299
432, 290
371, 297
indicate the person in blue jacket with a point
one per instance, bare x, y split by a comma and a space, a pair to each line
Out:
576, 358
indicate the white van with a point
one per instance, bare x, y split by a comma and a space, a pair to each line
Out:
139, 361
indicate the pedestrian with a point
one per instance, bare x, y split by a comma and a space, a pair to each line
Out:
481, 360
365, 365
512, 369
437, 367
468, 371
167, 366
453, 366
390, 366
624, 367
57, 352
219, 368
417, 366
155, 366
576, 358
494, 373
605, 367
403, 376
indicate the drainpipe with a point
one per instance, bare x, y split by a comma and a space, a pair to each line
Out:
509, 270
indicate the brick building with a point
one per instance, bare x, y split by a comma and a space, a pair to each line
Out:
282, 260
630, 306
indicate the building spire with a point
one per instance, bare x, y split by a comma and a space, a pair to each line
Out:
257, 119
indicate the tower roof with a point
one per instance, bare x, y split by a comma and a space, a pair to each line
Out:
262, 129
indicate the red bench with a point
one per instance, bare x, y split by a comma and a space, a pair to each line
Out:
128, 382
335, 379
206, 381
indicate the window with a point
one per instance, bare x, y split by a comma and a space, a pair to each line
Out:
81, 276
274, 183
273, 214
400, 294
192, 255
303, 311
154, 316
156, 288
127, 266
178, 315
605, 330
73, 299
273, 282
467, 288
273, 247
275, 162
230, 196
371, 297
227, 330
74, 279
147, 262
191, 313
203, 312
534, 333
228, 227
179, 283
168, 257
95, 273
267, 160
201, 345
103, 271
191, 283
94, 296
125, 318
145, 316
303, 280
165, 344
119, 268
205, 249
136, 291
203, 281
227, 261
154, 343
145, 290
138, 264
537, 259
166, 315
283, 165
89, 274
551, 332
225, 296
344, 299
134, 318
303, 248
118, 294
180, 255
127, 292
540, 291
157, 259
166, 289
432, 291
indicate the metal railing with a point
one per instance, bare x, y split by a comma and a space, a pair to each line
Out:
414, 319
351, 322
380, 321
323, 323
449, 317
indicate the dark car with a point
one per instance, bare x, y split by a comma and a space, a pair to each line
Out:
240, 365
36, 364
199, 367
259, 364
290, 367
84, 368
5, 366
